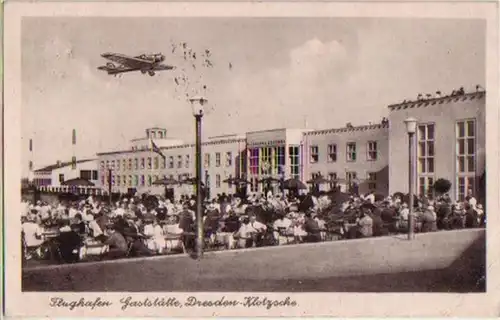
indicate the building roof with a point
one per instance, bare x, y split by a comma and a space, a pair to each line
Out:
180, 146
440, 100
61, 165
348, 129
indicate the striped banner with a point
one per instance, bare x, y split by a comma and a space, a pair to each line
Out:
31, 145
73, 138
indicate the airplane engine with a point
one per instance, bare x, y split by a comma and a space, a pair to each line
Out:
151, 73
110, 65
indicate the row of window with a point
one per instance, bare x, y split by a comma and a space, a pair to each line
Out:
351, 152
142, 180
465, 158
160, 163
84, 174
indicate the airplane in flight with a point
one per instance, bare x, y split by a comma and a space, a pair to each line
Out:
146, 63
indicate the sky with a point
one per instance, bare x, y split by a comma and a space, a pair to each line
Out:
310, 73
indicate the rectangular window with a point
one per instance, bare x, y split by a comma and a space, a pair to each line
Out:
156, 163
86, 174
129, 181
113, 180
95, 175
280, 151
171, 162
426, 159
254, 161
217, 159
332, 152
314, 157
118, 162
136, 164
466, 157
265, 158
217, 180
150, 180
179, 162
142, 163
187, 161
136, 180
61, 177
372, 181
332, 176
229, 159
118, 181
294, 155
130, 164
112, 164
142, 180
372, 151
163, 163
124, 182
207, 160
124, 164
351, 151
350, 176
149, 163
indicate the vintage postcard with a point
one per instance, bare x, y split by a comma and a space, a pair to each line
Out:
251, 159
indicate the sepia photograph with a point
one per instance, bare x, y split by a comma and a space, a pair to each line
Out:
254, 154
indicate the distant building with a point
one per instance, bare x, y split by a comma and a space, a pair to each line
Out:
351, 155
274, 154
59, 172
138, 168
451, 137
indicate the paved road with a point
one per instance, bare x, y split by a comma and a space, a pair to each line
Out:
450, 261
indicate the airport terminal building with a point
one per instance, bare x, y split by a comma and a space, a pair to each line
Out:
450, 143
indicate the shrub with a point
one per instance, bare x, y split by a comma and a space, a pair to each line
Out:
442, 186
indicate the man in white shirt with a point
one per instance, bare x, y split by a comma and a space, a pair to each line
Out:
282, 223
32, 233
471, 200
120, 211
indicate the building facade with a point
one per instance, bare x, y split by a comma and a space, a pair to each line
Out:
55, 174
352, 154
450, 141
274, 154
137, 169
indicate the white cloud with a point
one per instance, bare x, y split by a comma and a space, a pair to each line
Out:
312, 69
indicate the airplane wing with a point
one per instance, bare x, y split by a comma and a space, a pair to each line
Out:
118, 70
128, 61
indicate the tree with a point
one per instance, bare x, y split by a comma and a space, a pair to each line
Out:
442, 186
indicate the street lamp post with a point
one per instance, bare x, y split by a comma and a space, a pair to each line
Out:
411, 128
197, 104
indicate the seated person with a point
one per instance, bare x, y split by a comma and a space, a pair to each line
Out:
282, 226
32, 232
69, 242
116, 241
242, 234
232, 223
172, 227
311, 226
471, 217
364, 226
256, 230
78, 224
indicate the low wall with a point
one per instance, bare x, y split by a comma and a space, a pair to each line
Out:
456, 251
